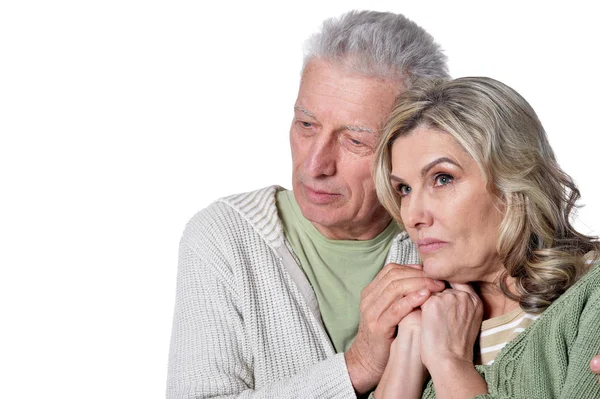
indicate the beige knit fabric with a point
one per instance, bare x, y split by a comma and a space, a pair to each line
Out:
243, 326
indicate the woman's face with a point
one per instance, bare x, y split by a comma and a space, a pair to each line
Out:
446, 208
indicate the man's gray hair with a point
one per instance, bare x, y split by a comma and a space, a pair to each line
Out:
378, 44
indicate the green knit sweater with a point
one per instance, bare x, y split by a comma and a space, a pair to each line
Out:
550, 359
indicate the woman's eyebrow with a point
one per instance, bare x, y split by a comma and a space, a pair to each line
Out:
396, 179
438, 161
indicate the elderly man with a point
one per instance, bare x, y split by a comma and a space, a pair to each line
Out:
269, 299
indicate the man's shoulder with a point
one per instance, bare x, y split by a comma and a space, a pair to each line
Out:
403, 251
237, 215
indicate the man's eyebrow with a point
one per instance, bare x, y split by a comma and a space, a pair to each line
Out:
346, 127
304, 111
438, 161
359, 129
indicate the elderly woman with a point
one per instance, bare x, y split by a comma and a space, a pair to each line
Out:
465, 166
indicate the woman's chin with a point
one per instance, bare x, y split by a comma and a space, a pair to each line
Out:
437, 271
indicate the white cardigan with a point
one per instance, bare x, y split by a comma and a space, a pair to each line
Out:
247, 322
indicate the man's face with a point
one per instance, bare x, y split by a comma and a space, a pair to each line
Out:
337, 119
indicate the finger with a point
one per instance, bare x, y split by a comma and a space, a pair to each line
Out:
394, 267
468, 289
396, 289
378, 278
463, 287
595, 364
389, 273
400, 273
412, 266
402, 307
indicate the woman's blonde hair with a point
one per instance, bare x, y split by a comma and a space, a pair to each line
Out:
500, 130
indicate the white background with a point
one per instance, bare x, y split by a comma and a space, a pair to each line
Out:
121, 119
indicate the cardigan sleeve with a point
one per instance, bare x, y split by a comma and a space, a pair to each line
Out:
209, 354
580, 382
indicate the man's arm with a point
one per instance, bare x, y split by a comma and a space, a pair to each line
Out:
210, 355
393, 294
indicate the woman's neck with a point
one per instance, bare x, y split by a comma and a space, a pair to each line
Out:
495, 302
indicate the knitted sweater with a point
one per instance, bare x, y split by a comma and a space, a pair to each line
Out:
550, 359
247, 323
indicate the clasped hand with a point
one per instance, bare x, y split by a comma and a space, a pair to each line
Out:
450, 324
437, 338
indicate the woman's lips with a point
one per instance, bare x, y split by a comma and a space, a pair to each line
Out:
428, 245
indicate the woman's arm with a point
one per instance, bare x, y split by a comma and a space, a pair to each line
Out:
451, 321
404, 374
580, 382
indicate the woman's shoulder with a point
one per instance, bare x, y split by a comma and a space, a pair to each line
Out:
567, 314
588, 284
580, 295
591, 283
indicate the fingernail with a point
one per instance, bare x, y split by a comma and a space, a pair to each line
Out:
424, 292
440, 283
595, 363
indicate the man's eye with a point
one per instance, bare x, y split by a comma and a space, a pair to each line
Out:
443, 179
355, 142
306, 124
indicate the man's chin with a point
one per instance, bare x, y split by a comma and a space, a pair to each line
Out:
318, 213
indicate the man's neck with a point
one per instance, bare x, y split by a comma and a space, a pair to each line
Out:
360, 233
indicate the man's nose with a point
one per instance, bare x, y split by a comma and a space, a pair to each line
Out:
321, 160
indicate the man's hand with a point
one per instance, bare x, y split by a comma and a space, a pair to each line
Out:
595, 365
393, 294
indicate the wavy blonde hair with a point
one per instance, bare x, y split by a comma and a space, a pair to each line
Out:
500, 130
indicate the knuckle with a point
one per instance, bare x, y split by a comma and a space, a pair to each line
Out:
363, 294
396, 285
396, 309
387, 269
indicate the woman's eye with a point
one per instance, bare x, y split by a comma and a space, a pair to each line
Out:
403, 190
306, 124
443, 179
355, 142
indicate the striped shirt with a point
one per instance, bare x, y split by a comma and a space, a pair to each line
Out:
498, 331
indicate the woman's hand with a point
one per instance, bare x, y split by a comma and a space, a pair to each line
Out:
450, 324
404, 374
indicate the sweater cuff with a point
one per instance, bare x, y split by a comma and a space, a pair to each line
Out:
334, 380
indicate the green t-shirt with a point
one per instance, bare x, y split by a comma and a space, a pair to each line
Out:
338, 270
